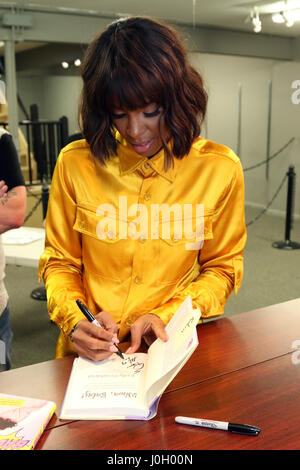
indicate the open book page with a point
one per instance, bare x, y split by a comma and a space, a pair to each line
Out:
105, 388
156, 388
167, 358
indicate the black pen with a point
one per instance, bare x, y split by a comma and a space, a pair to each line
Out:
224, 426
93, 320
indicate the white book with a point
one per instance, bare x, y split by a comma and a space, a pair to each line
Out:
130, 388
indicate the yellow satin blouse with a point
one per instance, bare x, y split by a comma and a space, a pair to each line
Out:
98, 249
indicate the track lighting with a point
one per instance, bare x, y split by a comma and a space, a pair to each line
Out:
288, 16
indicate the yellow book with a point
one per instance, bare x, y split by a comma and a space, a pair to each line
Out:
22, 421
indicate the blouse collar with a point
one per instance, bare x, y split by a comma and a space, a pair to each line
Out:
130, 161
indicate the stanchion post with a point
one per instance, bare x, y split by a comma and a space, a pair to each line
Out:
287, 244
289, 203
40, 292
45, 197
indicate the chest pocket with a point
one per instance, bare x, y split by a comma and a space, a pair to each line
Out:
102, 250
178, 249
89, 222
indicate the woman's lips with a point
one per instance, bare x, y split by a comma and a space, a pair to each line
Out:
142, 147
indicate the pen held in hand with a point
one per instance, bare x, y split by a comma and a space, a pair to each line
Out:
90, 317
245, 429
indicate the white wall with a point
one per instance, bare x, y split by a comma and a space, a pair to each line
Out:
56, 96
30, 90
61, 95
223, 74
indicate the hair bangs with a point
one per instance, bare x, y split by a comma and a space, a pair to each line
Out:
131, 90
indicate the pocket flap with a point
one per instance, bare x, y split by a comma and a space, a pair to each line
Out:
89, 223
188, 231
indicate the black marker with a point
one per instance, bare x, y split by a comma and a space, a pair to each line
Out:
233, 427
93, 320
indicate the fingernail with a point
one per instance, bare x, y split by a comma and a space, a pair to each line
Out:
113, 348
115, 339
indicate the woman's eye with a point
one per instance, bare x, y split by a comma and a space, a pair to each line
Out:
154, 113
118, 116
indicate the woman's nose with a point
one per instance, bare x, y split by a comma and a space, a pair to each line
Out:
135, 127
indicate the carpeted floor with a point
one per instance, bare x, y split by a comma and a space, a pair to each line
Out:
271, 276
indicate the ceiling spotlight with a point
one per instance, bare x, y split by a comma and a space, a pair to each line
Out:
257, 28
65, 65
288, 18
278, 18
256, 21
77, 62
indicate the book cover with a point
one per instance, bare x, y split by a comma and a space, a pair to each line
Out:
22, 421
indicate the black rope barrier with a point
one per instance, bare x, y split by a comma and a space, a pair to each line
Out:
287, 244
269, 204
33, 209
272, 156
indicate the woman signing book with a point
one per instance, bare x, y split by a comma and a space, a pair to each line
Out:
143, 212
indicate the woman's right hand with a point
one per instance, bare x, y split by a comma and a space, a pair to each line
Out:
92, 342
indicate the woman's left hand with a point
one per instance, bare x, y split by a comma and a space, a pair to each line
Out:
149, 327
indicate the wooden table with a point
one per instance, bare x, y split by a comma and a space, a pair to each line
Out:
245, 369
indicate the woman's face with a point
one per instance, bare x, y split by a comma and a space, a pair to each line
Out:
141, 128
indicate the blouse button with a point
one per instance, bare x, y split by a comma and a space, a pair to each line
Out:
138, 280
111, 235
147, 197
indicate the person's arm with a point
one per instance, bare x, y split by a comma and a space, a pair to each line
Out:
221, 259
12, 209
12, 186
61, 268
